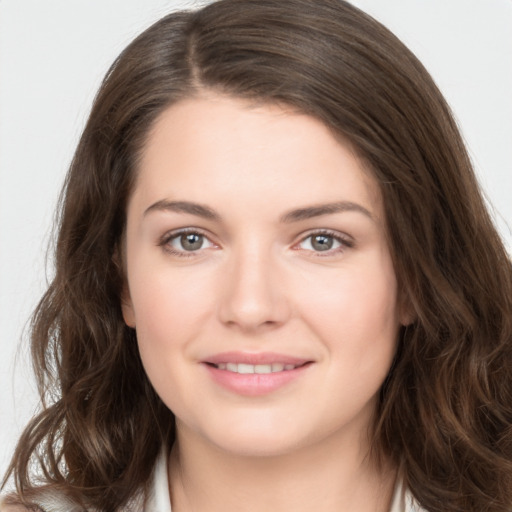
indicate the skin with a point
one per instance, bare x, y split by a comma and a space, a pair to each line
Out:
255, 282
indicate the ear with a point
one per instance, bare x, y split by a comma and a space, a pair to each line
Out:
126, 299
127, 307
406, 311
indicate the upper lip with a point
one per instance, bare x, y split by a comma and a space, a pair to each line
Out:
255, 358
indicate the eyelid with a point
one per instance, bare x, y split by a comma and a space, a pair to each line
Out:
346, 242
164, 240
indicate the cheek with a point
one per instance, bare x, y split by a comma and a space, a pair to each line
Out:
355, 315
167, 299
168, 319
170, 311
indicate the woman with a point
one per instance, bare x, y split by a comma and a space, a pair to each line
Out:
254, 305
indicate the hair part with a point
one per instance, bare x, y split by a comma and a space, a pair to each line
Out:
445, 410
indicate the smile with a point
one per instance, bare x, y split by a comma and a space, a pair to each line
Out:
255, 374
256, 368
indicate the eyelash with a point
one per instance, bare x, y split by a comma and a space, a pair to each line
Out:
344, 241
169, 237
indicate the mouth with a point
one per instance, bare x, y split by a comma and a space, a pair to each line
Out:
245, 368
255, 374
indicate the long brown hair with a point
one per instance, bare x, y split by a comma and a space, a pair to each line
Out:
445, 410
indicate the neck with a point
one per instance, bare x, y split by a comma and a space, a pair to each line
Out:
332, 476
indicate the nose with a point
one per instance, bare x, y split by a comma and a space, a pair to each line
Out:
254, 296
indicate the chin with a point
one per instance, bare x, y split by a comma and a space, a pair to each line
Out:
258, 446
263, 438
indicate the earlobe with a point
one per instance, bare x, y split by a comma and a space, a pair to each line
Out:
126, 300
406, 312
127, 308
128, 313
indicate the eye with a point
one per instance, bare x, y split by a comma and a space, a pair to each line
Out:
185, 242
324, 242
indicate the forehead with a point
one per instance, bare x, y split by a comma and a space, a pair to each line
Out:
217, 146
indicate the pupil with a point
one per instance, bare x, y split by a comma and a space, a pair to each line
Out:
191, 241
322, 242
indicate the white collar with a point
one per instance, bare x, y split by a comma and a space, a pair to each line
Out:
403, 500
159, 499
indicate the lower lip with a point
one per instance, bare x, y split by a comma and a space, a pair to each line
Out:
255, 384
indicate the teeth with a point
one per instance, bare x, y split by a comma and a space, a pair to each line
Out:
255, 368
263, 368
245, 368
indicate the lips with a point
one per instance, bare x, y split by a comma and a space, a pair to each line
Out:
255, 374
261, 358
255, 368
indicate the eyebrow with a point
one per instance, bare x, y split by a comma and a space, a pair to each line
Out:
324, 209
297, 215
184, 207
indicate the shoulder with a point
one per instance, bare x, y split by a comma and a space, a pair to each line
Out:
11, 504
13, 508
155, 498
44, 501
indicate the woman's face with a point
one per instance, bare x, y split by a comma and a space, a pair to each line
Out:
259, 279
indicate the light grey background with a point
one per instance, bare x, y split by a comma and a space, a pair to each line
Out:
53, 55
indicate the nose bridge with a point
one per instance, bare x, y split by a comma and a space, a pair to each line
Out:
253, 294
